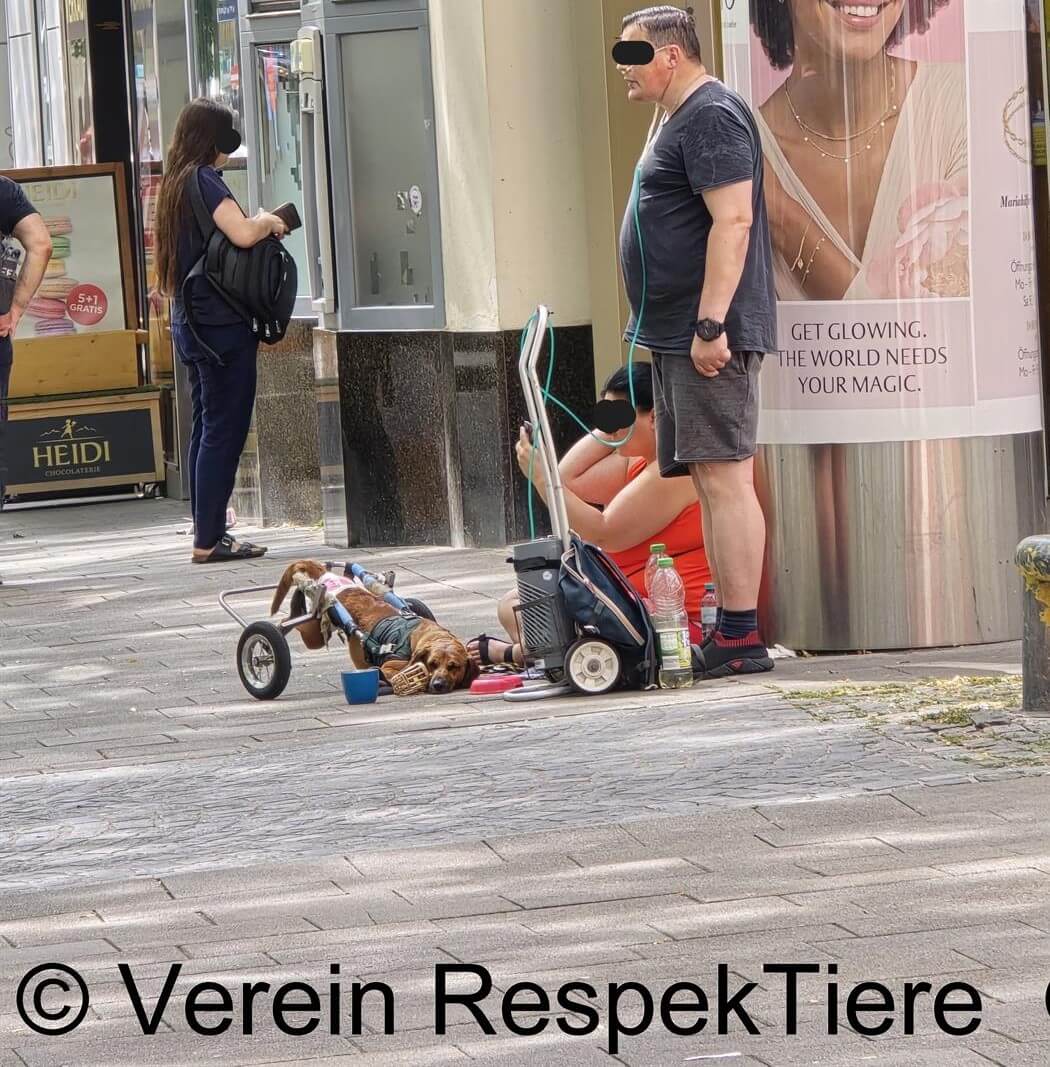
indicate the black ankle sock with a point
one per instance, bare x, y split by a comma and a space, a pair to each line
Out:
736, 624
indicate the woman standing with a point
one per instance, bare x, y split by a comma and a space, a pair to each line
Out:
223, 389
866, 153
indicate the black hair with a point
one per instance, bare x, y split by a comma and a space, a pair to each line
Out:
200, 129
642, 373
665, 24
771, 20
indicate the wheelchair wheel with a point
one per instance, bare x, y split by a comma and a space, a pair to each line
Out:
264, 660
417, 607
592, 666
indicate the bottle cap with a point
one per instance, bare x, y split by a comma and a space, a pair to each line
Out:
658, 549
709, 585
666, 561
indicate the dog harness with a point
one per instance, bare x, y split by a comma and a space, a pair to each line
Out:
391, 638
335, 583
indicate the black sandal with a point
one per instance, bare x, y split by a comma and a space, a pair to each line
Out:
506, 664
224, 552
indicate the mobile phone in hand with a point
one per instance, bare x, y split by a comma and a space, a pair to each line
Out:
289, 215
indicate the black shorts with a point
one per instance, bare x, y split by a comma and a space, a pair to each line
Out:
700, 420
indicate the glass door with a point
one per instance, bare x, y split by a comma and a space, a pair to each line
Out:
277, 146
276, 133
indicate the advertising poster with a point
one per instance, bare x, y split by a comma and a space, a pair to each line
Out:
83, 288
898, 183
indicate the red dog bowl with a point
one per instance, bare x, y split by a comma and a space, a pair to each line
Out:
496, 683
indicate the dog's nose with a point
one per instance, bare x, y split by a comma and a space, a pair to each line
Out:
438, 685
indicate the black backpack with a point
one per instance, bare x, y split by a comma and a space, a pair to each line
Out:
259, 283
600, 599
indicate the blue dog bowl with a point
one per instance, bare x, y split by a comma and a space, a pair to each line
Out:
361, 687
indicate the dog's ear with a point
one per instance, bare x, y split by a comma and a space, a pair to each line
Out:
282, 589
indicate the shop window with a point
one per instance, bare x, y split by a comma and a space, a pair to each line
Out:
25, 101
217, 75
53, 84
274, 7
78, 81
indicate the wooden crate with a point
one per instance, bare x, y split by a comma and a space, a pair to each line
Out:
85, 363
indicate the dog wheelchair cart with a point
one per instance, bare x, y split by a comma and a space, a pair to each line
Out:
264, 658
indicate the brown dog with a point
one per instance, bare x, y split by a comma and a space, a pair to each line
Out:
445, 657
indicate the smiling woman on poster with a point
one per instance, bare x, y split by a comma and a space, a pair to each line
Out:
866, 153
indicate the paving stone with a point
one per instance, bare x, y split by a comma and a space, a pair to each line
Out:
1021, 1021
438, 858
1007, 1053
743, 916
424, 1057
108, 1045
257, 877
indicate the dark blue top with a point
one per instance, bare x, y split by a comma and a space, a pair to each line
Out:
710, 141
209, 308
14, 206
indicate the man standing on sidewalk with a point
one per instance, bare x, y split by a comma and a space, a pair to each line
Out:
18, 218
700, 275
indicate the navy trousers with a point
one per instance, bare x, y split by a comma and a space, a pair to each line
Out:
222, 399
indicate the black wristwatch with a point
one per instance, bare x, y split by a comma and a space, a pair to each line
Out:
709, 329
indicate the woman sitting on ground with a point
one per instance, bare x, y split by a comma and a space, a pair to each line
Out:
616, 499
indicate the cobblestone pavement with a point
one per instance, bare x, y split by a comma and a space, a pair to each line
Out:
152, 813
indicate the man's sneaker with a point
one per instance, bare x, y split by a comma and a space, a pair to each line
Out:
723, 657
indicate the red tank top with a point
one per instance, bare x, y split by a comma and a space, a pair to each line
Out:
684, 538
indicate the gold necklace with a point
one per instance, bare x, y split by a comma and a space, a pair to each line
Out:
877, 124
1017, 145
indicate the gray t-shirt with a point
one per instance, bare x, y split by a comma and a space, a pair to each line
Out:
711, 140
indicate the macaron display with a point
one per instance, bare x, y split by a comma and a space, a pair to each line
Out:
55, 269
46, 308
53, 327
57, 288
58, 225
60, 248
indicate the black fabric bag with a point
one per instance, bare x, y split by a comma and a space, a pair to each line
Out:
259, 283
601, 600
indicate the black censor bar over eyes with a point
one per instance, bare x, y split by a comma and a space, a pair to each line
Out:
53, 999
633, 53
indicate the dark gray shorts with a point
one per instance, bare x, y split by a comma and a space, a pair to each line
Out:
702, 419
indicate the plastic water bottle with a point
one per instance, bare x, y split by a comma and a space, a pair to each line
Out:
709, 610
655, 554
672, 627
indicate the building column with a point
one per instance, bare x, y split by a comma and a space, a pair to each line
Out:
429, 419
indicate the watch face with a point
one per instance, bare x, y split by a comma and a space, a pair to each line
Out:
708, 330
